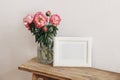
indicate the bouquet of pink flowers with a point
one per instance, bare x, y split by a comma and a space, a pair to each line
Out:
43, 27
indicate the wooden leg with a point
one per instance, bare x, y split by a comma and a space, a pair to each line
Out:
45, 78
34, 77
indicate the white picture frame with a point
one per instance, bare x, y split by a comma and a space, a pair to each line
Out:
72, 52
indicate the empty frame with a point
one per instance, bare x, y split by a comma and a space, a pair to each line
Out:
72, 52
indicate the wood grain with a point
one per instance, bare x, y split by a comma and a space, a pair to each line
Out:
68, 73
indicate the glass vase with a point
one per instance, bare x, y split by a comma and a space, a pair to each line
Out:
44, 54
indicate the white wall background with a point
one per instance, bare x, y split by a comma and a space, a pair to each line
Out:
99, 19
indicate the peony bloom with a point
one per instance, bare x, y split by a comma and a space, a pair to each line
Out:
48, 13
28, 20
55, 19
40, 20
27, 25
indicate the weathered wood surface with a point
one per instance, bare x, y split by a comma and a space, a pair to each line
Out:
68, 73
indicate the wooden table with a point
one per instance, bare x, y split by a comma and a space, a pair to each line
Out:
48, 72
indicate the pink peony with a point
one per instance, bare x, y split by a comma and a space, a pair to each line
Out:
55, 19
27, 20
27, 25
40, 20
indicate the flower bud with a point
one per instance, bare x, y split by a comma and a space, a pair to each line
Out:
45, 28
48, 13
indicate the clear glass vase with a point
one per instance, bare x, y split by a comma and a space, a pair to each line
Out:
44, 54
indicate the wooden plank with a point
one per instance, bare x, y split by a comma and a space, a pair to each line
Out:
67, 73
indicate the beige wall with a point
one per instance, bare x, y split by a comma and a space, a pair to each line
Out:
99, 19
